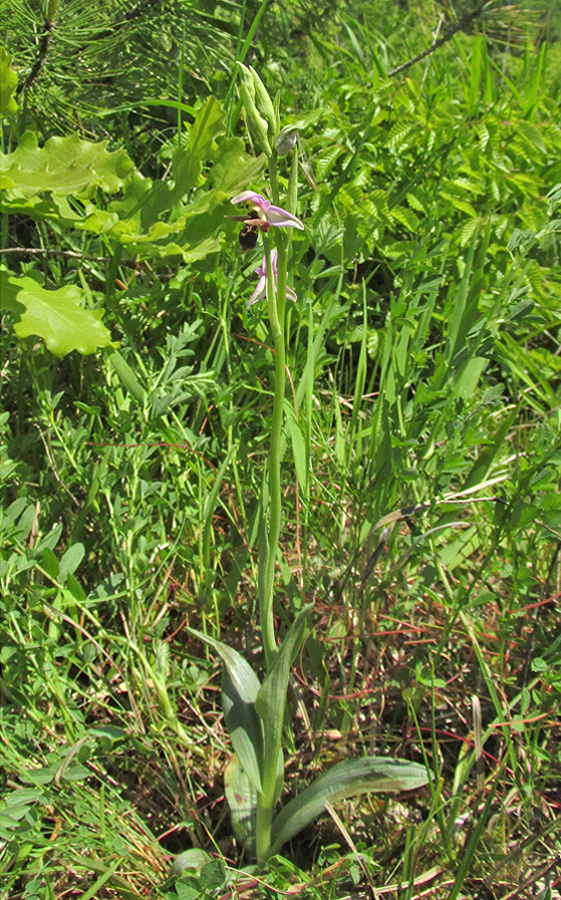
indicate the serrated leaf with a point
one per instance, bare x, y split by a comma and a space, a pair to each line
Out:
397, 134
415, 202
406, 216
325, 163
458, 203
56, 316
530, 134
482, 133
373, 774
467, 231
380, 201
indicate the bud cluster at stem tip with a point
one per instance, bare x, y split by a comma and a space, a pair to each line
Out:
261, 116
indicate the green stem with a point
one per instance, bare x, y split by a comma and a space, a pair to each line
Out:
276, 302
263, 824
274, 178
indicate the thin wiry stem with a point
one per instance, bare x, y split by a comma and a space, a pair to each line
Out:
48, 252
459, 26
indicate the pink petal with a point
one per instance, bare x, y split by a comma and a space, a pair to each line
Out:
277, 216
259, 293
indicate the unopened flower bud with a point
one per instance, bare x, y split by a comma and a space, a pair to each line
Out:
246, 79
257, 126
264, 102
286, 140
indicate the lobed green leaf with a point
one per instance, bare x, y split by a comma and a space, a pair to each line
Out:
64, 166
56, 316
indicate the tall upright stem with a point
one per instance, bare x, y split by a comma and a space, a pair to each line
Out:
276, 300
276, 303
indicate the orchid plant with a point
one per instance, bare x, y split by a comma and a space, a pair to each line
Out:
254, 710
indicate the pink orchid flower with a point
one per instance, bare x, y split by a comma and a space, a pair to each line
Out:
262, 213
260, 291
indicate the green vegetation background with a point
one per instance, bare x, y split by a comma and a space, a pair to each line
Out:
422, 510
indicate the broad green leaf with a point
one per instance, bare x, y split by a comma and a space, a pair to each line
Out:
183, 217
213, 875
8, 85
459, 204
146, 248
242, 800
65, 165
373, 774
187, 162
232, 169
50, 562
192, 233
56, 316
240, 687
271, 700
187, 166
244, 728
71, 560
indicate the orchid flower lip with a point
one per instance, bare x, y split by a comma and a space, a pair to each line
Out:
266, 212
